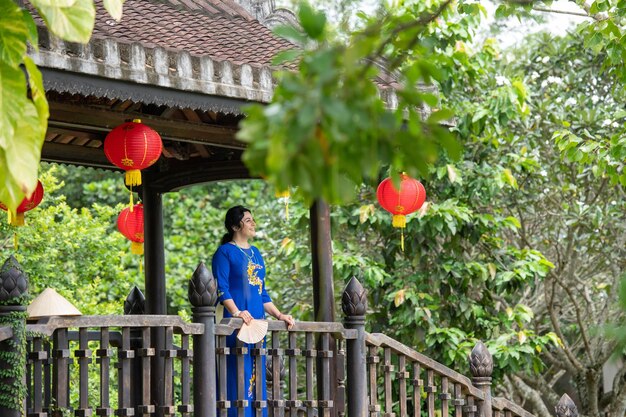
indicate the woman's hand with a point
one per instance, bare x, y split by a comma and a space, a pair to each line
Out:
287, 319
245, 316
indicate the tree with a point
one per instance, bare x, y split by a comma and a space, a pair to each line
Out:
23, 106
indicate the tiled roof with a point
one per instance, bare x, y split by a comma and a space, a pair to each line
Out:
220, 29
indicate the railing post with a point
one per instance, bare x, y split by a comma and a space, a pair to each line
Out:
481, 367
203, 296
566, 407
354, 306
135, 305
13, 288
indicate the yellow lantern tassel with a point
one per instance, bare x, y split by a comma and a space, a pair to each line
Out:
15, 241
136, 248
399, 221
17, 220
133, 177
140, 268
131, 199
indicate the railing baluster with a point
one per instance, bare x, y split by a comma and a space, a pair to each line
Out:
125, 355
185, 354
340, 399
388, 370
104, 357
418, 383
222, 351
293, 352
430, 389
277, 404
402, 376
373, 359
37, 356
258, 356
444, 397
470, 409
61, 379
146, 354
241, 402
310, 354
168, 355
84, 359
459, 401
326, 354
47, 377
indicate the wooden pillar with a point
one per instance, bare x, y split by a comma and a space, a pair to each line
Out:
322, 262
154, 250
203, 296
323, 297
354, 306
154, 258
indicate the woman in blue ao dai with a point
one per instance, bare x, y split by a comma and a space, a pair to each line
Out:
240, 273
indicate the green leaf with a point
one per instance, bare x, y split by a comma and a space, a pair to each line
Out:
13, 33
114, 7
72, 23
312, 22
37, 92
13, 91
290, 33
286, 56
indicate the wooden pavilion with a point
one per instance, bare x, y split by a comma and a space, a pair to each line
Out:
187, 68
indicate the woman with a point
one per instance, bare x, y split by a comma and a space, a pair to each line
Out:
240, 272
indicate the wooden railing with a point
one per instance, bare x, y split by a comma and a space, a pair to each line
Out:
149, 365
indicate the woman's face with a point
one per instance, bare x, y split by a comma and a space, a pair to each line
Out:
247, 226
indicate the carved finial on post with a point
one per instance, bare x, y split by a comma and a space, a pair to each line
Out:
13, 282
354, 306
202, 287
135, 303
566, 407
354, 300
13, 289
481, 362
481, 367
203, 296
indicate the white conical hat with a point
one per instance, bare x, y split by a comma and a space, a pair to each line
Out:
51, 303
253, 332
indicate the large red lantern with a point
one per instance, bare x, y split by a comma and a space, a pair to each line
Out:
130, 224
408, 199
28, 203
133, 146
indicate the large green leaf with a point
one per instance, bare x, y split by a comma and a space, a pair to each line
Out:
13, 90
37, 92
13, 33
24, 150
114, 7
72, 23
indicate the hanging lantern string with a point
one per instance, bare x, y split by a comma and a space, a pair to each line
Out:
15, 241
131, 199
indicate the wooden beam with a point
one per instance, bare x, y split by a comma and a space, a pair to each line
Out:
75, 155
97, 119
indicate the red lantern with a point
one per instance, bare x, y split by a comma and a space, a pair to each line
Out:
408, 199
130, 224
28, 203
133, 146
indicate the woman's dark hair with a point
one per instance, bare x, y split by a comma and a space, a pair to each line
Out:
233, 218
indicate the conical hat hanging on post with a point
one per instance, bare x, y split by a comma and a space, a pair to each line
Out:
51, 303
